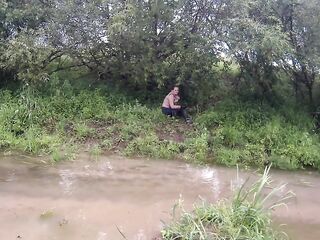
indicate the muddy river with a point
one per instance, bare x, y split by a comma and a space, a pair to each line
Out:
97, 199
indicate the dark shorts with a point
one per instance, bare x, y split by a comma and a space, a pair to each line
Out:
173, 112
181, 112
167, 111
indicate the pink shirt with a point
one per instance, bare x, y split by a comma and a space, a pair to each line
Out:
170, 97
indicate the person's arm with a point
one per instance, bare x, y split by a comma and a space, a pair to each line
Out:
171, 103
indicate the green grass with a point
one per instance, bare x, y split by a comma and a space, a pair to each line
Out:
257, 134
233, 132
245, 217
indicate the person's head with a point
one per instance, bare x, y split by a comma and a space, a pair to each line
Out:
175, 90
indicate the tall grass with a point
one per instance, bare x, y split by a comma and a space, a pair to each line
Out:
257, 134
246, 217
233, 132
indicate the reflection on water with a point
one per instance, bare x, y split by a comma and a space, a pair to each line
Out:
140, 235
113, 196
210, 176
11, 176
67, 180
81, 215
102, 236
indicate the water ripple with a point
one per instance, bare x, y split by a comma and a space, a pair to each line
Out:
67, 181
210, 176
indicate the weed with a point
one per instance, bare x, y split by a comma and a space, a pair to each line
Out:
95, 151
56, 155
197, 147
82, 130
246, 217
107, 144
150, 145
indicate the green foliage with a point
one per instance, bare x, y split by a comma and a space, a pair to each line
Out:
142, 47
227, 156
151, 146
56, 155
95, 151
244, 218
256, 134
82, 130
259, 50
106, 144
197, 148
34, 123
233, 132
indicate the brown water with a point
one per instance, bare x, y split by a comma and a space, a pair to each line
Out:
96, 199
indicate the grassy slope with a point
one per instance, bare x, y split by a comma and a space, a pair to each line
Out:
231, 133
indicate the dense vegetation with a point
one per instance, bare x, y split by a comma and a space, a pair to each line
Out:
232, 132
90, 73
144, 46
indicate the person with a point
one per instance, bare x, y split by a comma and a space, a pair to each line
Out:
171, 106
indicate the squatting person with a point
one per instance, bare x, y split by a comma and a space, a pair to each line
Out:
171, 107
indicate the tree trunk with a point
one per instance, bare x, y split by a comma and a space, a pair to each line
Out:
310, 93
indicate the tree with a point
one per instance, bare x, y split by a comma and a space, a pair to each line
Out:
252, 35
145, 46
300, 20
22, 47
142, 45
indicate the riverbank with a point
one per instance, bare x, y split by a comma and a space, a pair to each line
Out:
230, 133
